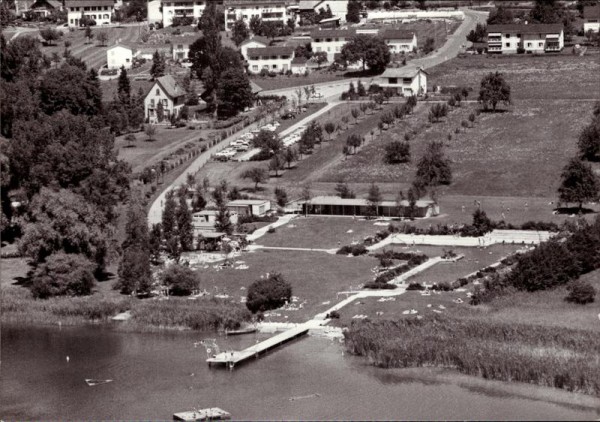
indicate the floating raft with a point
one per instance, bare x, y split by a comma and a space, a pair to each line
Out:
248, 330
230, 359
211, 414
92, 382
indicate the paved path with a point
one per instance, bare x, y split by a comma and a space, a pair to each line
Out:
285, 248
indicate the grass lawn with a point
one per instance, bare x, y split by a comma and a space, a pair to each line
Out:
145, 153
499, 156
281, 81
543, 77
13, 270
316, 277
319, 232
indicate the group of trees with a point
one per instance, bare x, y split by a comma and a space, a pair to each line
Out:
270, 292
59, 161
220, 68
126, 110
371, 51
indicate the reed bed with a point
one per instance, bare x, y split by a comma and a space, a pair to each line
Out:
548, 356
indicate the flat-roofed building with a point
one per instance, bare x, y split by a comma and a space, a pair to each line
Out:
244, 207
359, 207
591, 18
526, 38
181, 8
266, 10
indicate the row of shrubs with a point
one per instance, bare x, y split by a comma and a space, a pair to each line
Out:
354, 250
470, 230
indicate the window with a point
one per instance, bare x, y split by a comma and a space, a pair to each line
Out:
255, 67
157, 92
540, 44
152, 103
393, 80
507, 35
127, 60
508, 44
274, 66
164, 101
528, 44
180, 46
407, 80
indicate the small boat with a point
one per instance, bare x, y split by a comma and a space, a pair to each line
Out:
247, 330
210, 414
92, 382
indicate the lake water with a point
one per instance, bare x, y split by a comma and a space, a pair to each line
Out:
156, 375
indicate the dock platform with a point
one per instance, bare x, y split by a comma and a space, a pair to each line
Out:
211, 414
230, 359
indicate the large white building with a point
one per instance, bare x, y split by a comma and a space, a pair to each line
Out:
181, 8
100, 11
406, 80
266, 10
528, 38
591, 18
274, 59
120, 55
399, 40
330, 41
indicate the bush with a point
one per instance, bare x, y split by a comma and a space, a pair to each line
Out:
181, 281
270, 293
415, 286
271, 230
63, 275
397, 152
355, 250
333, 315
379, 286
581, 292
444, 286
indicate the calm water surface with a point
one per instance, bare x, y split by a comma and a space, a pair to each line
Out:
156, 375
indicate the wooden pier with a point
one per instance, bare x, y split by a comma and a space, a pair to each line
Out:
230, 359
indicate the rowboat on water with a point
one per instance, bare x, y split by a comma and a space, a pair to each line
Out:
246, 330
92, 382
210, 414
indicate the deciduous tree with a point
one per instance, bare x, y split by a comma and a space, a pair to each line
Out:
234, 93
63, 275
579, 184
433, 168
494, 89
256, 174
239, 32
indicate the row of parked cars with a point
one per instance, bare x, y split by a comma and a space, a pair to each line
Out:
244, 142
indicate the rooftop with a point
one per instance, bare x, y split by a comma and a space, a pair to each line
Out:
336, 200
532, 28
239, 202
397, 34
270, 51
253, 3
591, 12
299, 60
333, 33
402, 72
170, 86
85, 3
125, 45
257, 38
308, 4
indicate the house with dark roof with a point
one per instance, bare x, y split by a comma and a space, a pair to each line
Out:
254, 42
525, 38
167, 94
591, 18
44, 8
399, 41
330, 41
406, 80
100, 11
274, 59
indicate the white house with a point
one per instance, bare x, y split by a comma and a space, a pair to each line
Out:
254, 42
273, 59
399, 41
180, 8
330, 40
44, 8
591, 18
120, 55
255, 207
529, 38
167, 92
100, 11
299, 65
154, 11
266, 10
339, 8
180, 46
407, 80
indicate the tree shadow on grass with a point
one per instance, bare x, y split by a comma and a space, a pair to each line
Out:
498, 111
572, 211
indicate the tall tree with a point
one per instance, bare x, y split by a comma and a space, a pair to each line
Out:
371, 51
184, 225
239, 32
500, 15
589, 141
223, 221
158, 65
494, 89
546, 11
209, 25
69, 88
353, 15
169, 216
433, 168
256, 174
374, 198
579, 184
124, 87
234, 93
21, 57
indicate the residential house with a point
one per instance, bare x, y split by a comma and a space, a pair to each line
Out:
266, 10
148, 52
591, 18
100, 11
339, 8
119, 55
23, 6
330, 41
334, 205
247, 207
154, 11
299, 65
526, 38
407, 80
166, 91
180, 46
399, 41
181, 8
254, 42
273, 59
44, 8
